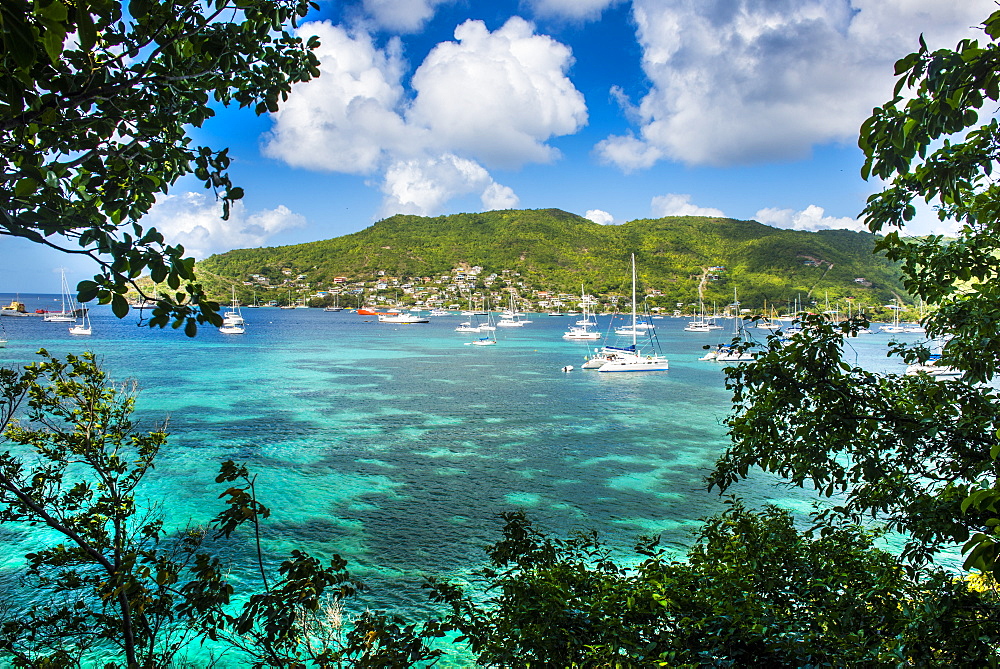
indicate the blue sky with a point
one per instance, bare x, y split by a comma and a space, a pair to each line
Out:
611, 109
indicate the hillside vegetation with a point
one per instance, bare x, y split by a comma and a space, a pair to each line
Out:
557, 251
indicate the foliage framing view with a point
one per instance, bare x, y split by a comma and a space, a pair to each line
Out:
917, 453
94, 110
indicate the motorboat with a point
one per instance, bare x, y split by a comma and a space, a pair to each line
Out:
484, 341
698, 326
581, 333
232, 320
933, 368
15, 308
404, 319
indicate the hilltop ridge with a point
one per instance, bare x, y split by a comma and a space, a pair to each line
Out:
554, 251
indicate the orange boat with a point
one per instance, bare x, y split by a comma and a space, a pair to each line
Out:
364, 311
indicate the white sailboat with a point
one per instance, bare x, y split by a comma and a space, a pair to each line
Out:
895, 328
769, 320
84, 326
490, 338
701, 322
232, 320
636, 362
582, 329
511, 318
64, 315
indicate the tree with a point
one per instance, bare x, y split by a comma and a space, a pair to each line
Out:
95, 106
914, 451
752, 591
114, 583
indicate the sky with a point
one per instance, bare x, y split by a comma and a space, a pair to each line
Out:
615, 110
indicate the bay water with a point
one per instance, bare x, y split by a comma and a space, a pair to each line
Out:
397, 446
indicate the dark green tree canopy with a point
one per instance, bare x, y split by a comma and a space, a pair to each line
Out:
939, 144
914, 451
95, 105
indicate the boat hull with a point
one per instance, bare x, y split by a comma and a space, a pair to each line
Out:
635, 365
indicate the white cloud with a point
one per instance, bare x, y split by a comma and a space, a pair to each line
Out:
195, 221
676, 204
345, 120
600, 217
571, 9
497, 197
811, 218
490, 99
422, 186
402, 16
742, 81
497, 97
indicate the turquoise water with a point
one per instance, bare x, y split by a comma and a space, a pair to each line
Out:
396, 446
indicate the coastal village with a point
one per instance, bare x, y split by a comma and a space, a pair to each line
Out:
469, 286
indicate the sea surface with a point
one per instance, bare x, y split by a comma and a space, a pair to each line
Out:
397, 446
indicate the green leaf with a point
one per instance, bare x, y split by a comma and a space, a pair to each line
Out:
119, 305
25, 187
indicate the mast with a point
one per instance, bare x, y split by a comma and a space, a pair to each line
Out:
65, 291
633, 301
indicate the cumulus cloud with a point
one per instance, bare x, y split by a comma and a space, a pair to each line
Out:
194, 220
497, 97
497, 197
404, 16
742, 81
347, 119
422, 186
676, 204
570, 9
811, 218
490, 99
600, 217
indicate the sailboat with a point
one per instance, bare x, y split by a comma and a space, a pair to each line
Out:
64, 315
336, 304
701, 323
635, 362
727, 352
83, 327
468, 326
511, 318
896, 327
232, 320
768, 320
582, 331
490, 338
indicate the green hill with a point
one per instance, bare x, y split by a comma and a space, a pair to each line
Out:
555, 251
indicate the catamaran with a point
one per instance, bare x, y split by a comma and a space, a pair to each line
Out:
634, 360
